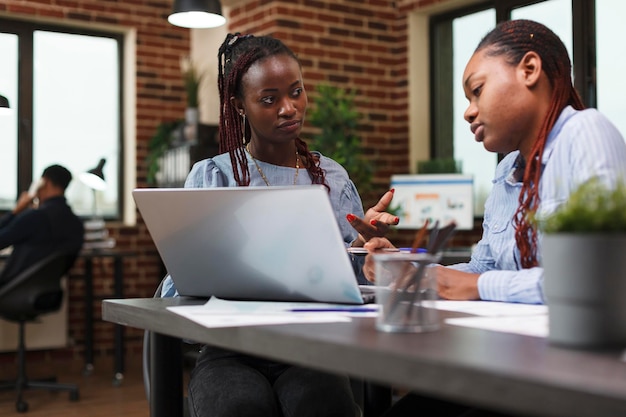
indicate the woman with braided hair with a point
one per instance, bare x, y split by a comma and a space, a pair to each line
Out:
522, 104
262, 109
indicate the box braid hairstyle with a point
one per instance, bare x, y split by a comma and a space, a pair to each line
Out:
236, 55
513, 39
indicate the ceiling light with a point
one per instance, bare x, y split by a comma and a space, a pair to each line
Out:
197, 14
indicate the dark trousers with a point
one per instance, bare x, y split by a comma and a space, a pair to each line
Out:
225, 384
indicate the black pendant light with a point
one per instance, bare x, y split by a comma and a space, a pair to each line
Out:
197, 14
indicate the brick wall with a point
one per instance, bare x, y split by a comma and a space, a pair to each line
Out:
359, 45
356, 44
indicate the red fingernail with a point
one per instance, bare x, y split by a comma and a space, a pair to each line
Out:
393, 190
351, 217
396, 220
373, 222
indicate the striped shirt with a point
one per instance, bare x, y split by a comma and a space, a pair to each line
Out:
581, 145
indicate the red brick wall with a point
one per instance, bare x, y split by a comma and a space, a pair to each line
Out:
356, 44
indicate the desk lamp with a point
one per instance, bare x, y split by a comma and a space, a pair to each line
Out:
94, 179
5, 108
96, 235
197, 14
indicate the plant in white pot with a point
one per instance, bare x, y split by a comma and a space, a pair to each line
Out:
583, 253
191, 80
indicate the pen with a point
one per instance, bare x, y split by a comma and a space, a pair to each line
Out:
335, 310
363, 251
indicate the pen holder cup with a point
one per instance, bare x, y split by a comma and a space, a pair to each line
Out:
405, 292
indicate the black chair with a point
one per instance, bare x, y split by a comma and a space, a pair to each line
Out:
34, 292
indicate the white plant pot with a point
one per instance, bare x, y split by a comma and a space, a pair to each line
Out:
192, 115
585, 289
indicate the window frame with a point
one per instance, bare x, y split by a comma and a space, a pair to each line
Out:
25, 31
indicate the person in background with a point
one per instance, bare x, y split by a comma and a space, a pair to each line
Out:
35, 232
262, 108
522, 104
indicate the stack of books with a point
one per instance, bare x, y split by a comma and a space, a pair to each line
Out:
97, 236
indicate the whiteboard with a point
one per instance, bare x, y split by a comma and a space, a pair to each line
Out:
442, 197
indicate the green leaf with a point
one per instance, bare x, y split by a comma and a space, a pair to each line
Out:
335, 115
592, 207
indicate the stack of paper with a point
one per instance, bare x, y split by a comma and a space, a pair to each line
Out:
223, 313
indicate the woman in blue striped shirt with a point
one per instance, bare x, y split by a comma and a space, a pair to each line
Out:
522, 104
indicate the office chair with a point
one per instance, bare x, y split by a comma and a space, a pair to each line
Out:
34, 292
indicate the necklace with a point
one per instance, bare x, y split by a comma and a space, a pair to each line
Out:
258, 168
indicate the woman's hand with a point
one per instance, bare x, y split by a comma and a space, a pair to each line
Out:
455, 285
373, 245
376, 221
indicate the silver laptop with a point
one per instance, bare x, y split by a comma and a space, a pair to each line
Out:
250, 243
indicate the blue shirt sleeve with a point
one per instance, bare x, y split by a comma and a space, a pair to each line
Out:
581, 145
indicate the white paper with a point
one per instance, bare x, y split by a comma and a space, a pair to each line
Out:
491, 308
526, 325
525, 319
223, 313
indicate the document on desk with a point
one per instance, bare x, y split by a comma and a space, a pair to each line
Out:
224, 313
526, 319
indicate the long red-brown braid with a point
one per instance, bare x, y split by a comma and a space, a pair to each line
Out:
514, 39
236, 54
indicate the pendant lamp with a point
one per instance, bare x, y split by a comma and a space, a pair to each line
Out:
197, 14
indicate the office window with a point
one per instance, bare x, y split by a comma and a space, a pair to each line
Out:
454, 36
474, 158
67, 110
611, 61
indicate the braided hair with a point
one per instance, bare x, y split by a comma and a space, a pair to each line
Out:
235, 56
513, 39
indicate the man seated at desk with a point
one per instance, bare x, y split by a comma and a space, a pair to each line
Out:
36, 232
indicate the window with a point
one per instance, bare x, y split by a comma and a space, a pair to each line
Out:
610, 63
454, 36
65, 89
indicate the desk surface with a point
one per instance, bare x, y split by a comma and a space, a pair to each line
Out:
505, 371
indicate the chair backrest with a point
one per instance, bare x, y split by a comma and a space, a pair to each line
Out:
37, 289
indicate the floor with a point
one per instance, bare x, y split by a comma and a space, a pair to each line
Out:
99, 396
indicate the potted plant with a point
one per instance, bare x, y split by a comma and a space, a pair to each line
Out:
159, 142
583, 253
337, 118
191, 80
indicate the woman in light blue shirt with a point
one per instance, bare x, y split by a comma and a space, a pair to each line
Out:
263, 104
522, 104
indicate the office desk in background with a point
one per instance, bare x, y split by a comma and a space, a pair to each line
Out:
118, 292
505, 371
